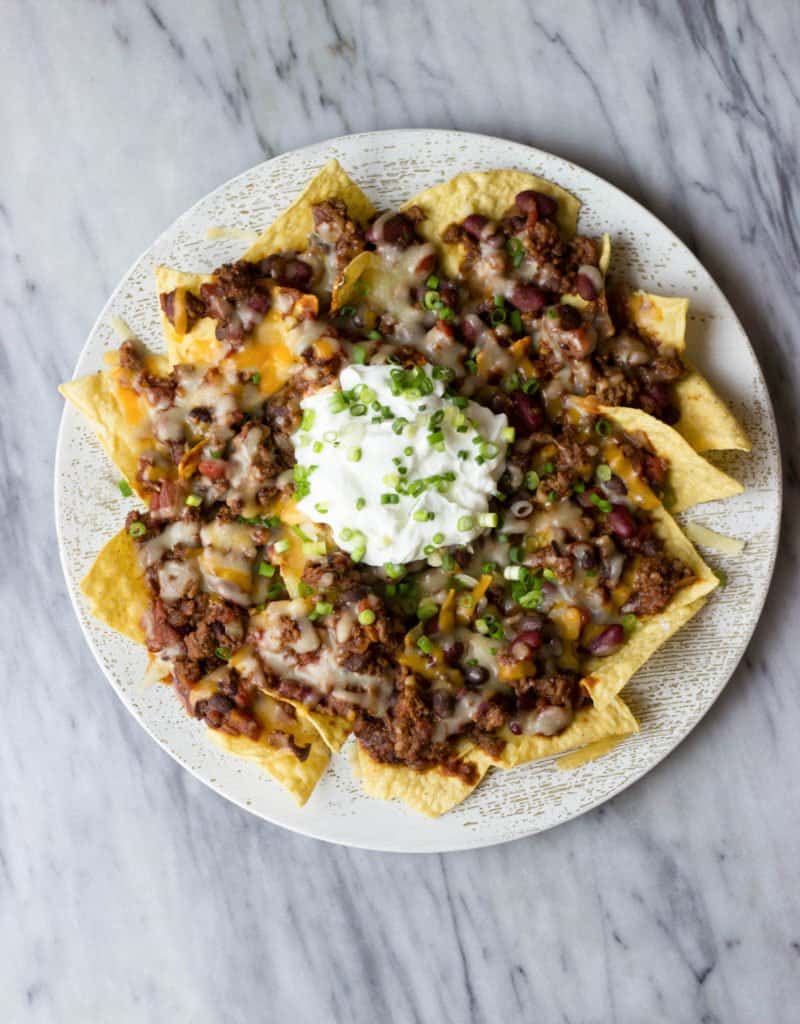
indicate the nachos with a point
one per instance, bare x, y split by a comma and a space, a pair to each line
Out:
408, 476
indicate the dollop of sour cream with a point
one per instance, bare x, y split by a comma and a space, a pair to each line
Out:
395, 467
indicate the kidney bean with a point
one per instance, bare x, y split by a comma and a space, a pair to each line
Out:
476, 675
532, 638
398, 230
525, 414
616, 486
471, 327
585, 288
453, 653
621, 522
474, 224
515, 728
569, 319
530, 200
607, 642
295, 274
552, 719
528, 297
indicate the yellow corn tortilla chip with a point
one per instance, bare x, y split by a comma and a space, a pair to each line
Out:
607, 676
589, 753
699, 534
115, 587
490, 193
266, 352
333, 729
590, 724
289, 233
705, 421
431, 792
299, 777
691, 478
116, 414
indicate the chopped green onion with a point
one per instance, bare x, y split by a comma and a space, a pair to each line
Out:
137, 529
603, 428
603, 472
438, 538
426, 610
358, 409
532, 480
425, 645
516, 322
399, 425
601, 503
431, 300
488, 519
422, 515
256, 378
317, 447
361, 503
516, 251
432, 282
488, 568
629, 623
125, 488
348, 311
223, 653
193, 500
281, 546
497, 316
579, 487
359, 354
374, 335
307, 422
265, 569
366, 617
321, 508
390, 499
323, 607
530, 387
304, 589
465, 523
548, 467
354, 455
393, 571
508, 434
549, 575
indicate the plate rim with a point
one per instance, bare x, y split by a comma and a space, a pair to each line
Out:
471, 841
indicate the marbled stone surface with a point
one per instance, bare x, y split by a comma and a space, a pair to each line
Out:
129, 892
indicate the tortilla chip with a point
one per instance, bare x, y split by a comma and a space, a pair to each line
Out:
490, 193
590, 724
705, 421
607, 676
289, 233
299, 777
333, 729
114, 412
116, 589
699, 534
431, 792
691, 478
589, 753
199, 345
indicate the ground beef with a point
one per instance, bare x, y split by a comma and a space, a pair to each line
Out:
238, 299
194, 305
336, 235
655, 581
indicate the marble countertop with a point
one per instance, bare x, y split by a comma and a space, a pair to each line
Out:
130, 892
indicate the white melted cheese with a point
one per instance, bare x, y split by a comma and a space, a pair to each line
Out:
356, 461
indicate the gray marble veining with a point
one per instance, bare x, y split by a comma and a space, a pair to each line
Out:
128, 892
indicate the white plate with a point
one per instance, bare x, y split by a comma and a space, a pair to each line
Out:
678, 685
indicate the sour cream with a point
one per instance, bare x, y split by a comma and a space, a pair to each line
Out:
396, 472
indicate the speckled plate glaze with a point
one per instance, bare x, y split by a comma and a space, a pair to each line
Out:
669, 696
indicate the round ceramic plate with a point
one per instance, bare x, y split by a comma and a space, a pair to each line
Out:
669, 696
